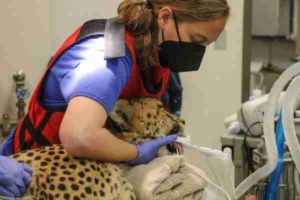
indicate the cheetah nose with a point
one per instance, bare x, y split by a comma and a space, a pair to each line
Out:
175, 129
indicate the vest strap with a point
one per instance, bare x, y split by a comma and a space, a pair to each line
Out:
114, 32
92, 27
114, 39
36, 134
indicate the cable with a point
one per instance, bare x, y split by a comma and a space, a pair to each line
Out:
248, 149
248, 128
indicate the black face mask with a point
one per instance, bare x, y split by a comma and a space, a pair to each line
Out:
181, 56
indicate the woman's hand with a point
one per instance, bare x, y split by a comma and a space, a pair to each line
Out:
148, 151
14, 177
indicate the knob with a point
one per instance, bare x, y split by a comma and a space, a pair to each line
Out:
19, 76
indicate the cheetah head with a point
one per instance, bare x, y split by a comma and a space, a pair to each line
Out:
147, 117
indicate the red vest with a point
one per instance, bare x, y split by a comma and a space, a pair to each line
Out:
40, 126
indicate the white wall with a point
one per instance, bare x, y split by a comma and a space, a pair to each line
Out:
24, 44
31, 31
66, 17
213, 93
210, 95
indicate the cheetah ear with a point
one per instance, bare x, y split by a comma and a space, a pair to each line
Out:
121, 114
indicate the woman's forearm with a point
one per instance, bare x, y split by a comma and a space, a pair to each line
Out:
99, 144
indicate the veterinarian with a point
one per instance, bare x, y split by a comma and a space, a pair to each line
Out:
104, 60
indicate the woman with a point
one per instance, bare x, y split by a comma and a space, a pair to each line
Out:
95, 67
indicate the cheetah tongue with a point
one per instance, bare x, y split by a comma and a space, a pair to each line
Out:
179, 147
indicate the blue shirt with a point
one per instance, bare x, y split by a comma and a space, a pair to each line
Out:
83, 71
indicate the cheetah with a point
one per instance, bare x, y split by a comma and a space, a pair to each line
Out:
58, 175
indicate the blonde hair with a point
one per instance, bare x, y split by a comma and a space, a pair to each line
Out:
140, 20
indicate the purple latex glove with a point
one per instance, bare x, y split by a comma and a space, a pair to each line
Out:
14, 177
147, 151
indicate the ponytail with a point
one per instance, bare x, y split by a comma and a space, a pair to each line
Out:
140, 22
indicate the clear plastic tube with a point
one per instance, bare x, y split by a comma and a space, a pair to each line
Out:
218, 188
288, 120
269, 133
272, 187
